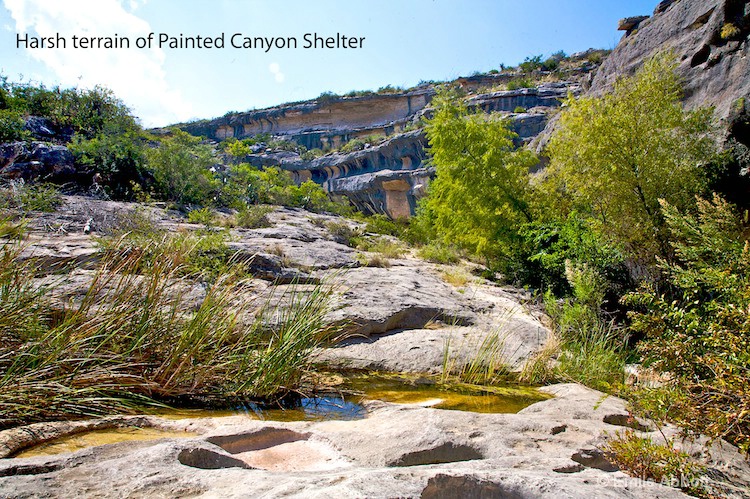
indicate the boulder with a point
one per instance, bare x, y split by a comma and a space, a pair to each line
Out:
9, 152
630, 23
40, 128
39, 160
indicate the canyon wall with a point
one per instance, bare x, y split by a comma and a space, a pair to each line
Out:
388, 177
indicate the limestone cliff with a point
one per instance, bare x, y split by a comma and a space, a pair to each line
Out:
383, 178
709, 38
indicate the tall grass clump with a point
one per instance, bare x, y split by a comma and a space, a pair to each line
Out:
585, 347
486, 366
135, 338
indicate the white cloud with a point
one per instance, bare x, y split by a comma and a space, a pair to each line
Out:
275, 70
136, 76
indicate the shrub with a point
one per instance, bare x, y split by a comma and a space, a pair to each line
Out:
119, 160
729, 30
327, 98
642, 458
311, 154
457, 277
353, 145
238, 149
12, 126
387, 248
519, 109
696, 327
342, 232
552, 244
253, 217
531, 64
23, 196
439, 253
203, 216
517, 83
381, 224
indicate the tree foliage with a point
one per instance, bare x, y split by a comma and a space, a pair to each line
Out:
617, 155
181, 168
481, 194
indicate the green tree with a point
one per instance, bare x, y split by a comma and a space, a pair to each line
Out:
617, 155
481, 194
181, 168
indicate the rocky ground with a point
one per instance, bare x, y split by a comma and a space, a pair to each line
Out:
549, 448
401, 318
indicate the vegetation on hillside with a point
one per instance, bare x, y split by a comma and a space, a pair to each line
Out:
622, 221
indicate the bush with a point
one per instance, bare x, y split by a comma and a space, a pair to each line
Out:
180, 165
12, 126
729, 30
517, 83
519, 109
118, 159
439, 253
342, 232
204, 216
387, 248
531, 64
327, 98
253, 217
696, 328
550, 245
30, 197
245, 185
643, 458
88, 112
353, 145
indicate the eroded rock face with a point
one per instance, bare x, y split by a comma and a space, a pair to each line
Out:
320, 123
550, 449
389, 177
714, 68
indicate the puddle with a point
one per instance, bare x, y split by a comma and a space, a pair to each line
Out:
87, 439
320, 408
379, 386
412, 390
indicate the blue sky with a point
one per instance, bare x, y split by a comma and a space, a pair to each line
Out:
405, 41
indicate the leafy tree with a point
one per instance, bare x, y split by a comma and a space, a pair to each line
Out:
617, 155
181, 169
481, 194
531, 64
